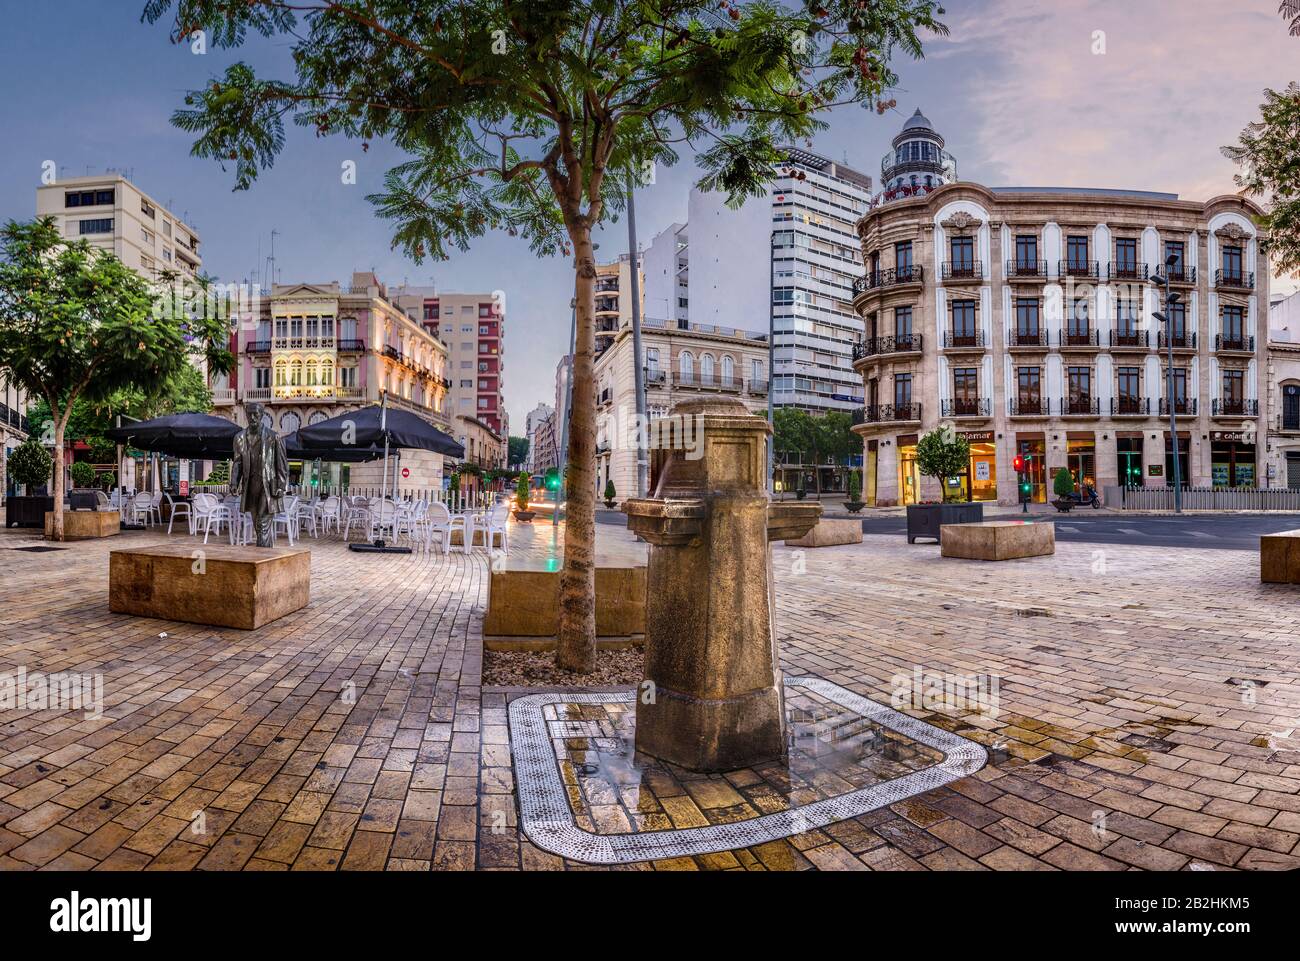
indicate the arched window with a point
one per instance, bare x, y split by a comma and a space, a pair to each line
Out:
295, 374
316, 417
281, 371
327, 373
311, 373
706, 368
728, 369
686, 363
290, 422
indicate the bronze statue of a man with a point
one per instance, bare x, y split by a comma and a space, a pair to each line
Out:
259, 472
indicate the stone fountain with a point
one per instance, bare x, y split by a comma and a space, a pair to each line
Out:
712, 698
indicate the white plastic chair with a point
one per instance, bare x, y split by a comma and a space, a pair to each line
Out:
178, 507
155, 507
358, 512
385, 516
218, 515
241, 528
496, 524
201, 505
288, 519
140, 507
327, 514
437, 520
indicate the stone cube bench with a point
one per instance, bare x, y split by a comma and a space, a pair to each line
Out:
1279, 557
997, 540
83, 525
523, 612
830, 532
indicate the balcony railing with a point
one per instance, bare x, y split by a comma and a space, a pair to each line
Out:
1027, 338
258, 347
896, 344
1028, 407
1242, 344
756, 386
1079, 338
1183, 341
974, 270
392, 352
1182, 405
1181, 275
1235, 408
1087, 269
1130, 338
655, 376
1237, 279
706, 382
351, 345
963, 339
1036, 269
893, 277
1130, 406
966, 407
886, 413
1080, 406
1116, 271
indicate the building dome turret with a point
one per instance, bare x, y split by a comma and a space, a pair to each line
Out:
918, 163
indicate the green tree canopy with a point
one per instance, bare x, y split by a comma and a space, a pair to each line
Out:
77, 324
942, 453
516, 452
29, 464
1269, 154
536, 117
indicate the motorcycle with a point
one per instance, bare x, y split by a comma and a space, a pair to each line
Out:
1089, 496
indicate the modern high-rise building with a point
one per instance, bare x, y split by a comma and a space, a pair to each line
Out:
785, 263
473, 328
116, 215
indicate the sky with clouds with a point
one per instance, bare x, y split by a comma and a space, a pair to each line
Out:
1020, 90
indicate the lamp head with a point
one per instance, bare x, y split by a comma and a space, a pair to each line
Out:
1174, 297
1171, 260
1160, 316
1157, 279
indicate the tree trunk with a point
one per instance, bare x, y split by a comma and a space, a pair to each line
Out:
576, 644
56, 533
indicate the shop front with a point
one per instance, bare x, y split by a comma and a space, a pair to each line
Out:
1032, 447
869, 473
909, 477
1081, 458
1128, 458
1232, 459
1184, 459
980, 482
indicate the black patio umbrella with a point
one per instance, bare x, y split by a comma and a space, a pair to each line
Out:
191, 435
294, 447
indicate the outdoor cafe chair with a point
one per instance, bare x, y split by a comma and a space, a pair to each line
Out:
202, 505
385, 516
140, 507
218, 515
155, 507
496, 525
178, 507
437, 521
327, 514
241, 529
288, 519
358, 511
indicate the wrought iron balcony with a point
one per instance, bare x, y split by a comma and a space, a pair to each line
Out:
1182, 405
1031, 269
893, 277
1235, 279
1130, 406
896, 344
1242, 344
1080, 406
756, 386
1139, 339
347, 346
1028, 407
973, 339
1087, 269
1235, 408
1027, 338
1116, 271
966, 407
1181, 275
392, 352
887, 413
1079, 338
258, 347
1183, 341
970, 270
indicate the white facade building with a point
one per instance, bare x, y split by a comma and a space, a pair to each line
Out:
534, 424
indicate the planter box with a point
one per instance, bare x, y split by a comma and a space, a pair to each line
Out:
27, 511
524, 603
830, 533
999, 540
1279, 558
925, 520
83, 525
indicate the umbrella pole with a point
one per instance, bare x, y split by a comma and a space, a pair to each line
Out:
379, 546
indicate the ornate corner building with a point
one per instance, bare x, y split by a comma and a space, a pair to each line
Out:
1023, 318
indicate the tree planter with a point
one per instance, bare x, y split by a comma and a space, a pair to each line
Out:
611, 504
27, 511
524, 516
854, 506
924, 520
1063, 505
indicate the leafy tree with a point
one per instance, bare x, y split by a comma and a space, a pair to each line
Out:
521, 491
1063, 483
1290, 9
610, 493
29, 464
835, 439
855, 486
1269, 154
942, 454
75, 323
516, 452
536, 117
793, 433
83, 474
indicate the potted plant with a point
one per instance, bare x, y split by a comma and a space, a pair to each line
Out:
29, 467
853, 503
1063, 487
609, 494
800, 493
82, 474
942, 454
522, 513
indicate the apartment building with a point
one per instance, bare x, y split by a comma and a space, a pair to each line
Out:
310, 351
681, 359
115, 215
534, 425
784, 262
484, 447
1283, 400
1023, 318
614, 299
472, 326
13, 426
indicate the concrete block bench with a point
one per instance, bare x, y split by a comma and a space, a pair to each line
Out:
1279, 557
523, 611
83, 525
830, 532
997, 540
243, 587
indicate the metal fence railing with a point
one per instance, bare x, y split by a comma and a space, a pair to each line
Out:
1213, 498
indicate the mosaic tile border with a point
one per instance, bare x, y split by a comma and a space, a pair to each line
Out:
549, 822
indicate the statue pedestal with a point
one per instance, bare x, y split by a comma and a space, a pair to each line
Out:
712, 698
244, 587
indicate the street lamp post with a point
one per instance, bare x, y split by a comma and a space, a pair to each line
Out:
1162, 281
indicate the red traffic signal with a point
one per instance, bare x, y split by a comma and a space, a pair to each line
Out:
1018, 464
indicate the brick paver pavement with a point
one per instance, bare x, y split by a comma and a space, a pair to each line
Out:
1148, 703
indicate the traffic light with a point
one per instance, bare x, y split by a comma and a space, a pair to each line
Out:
552, 478
1018, 464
